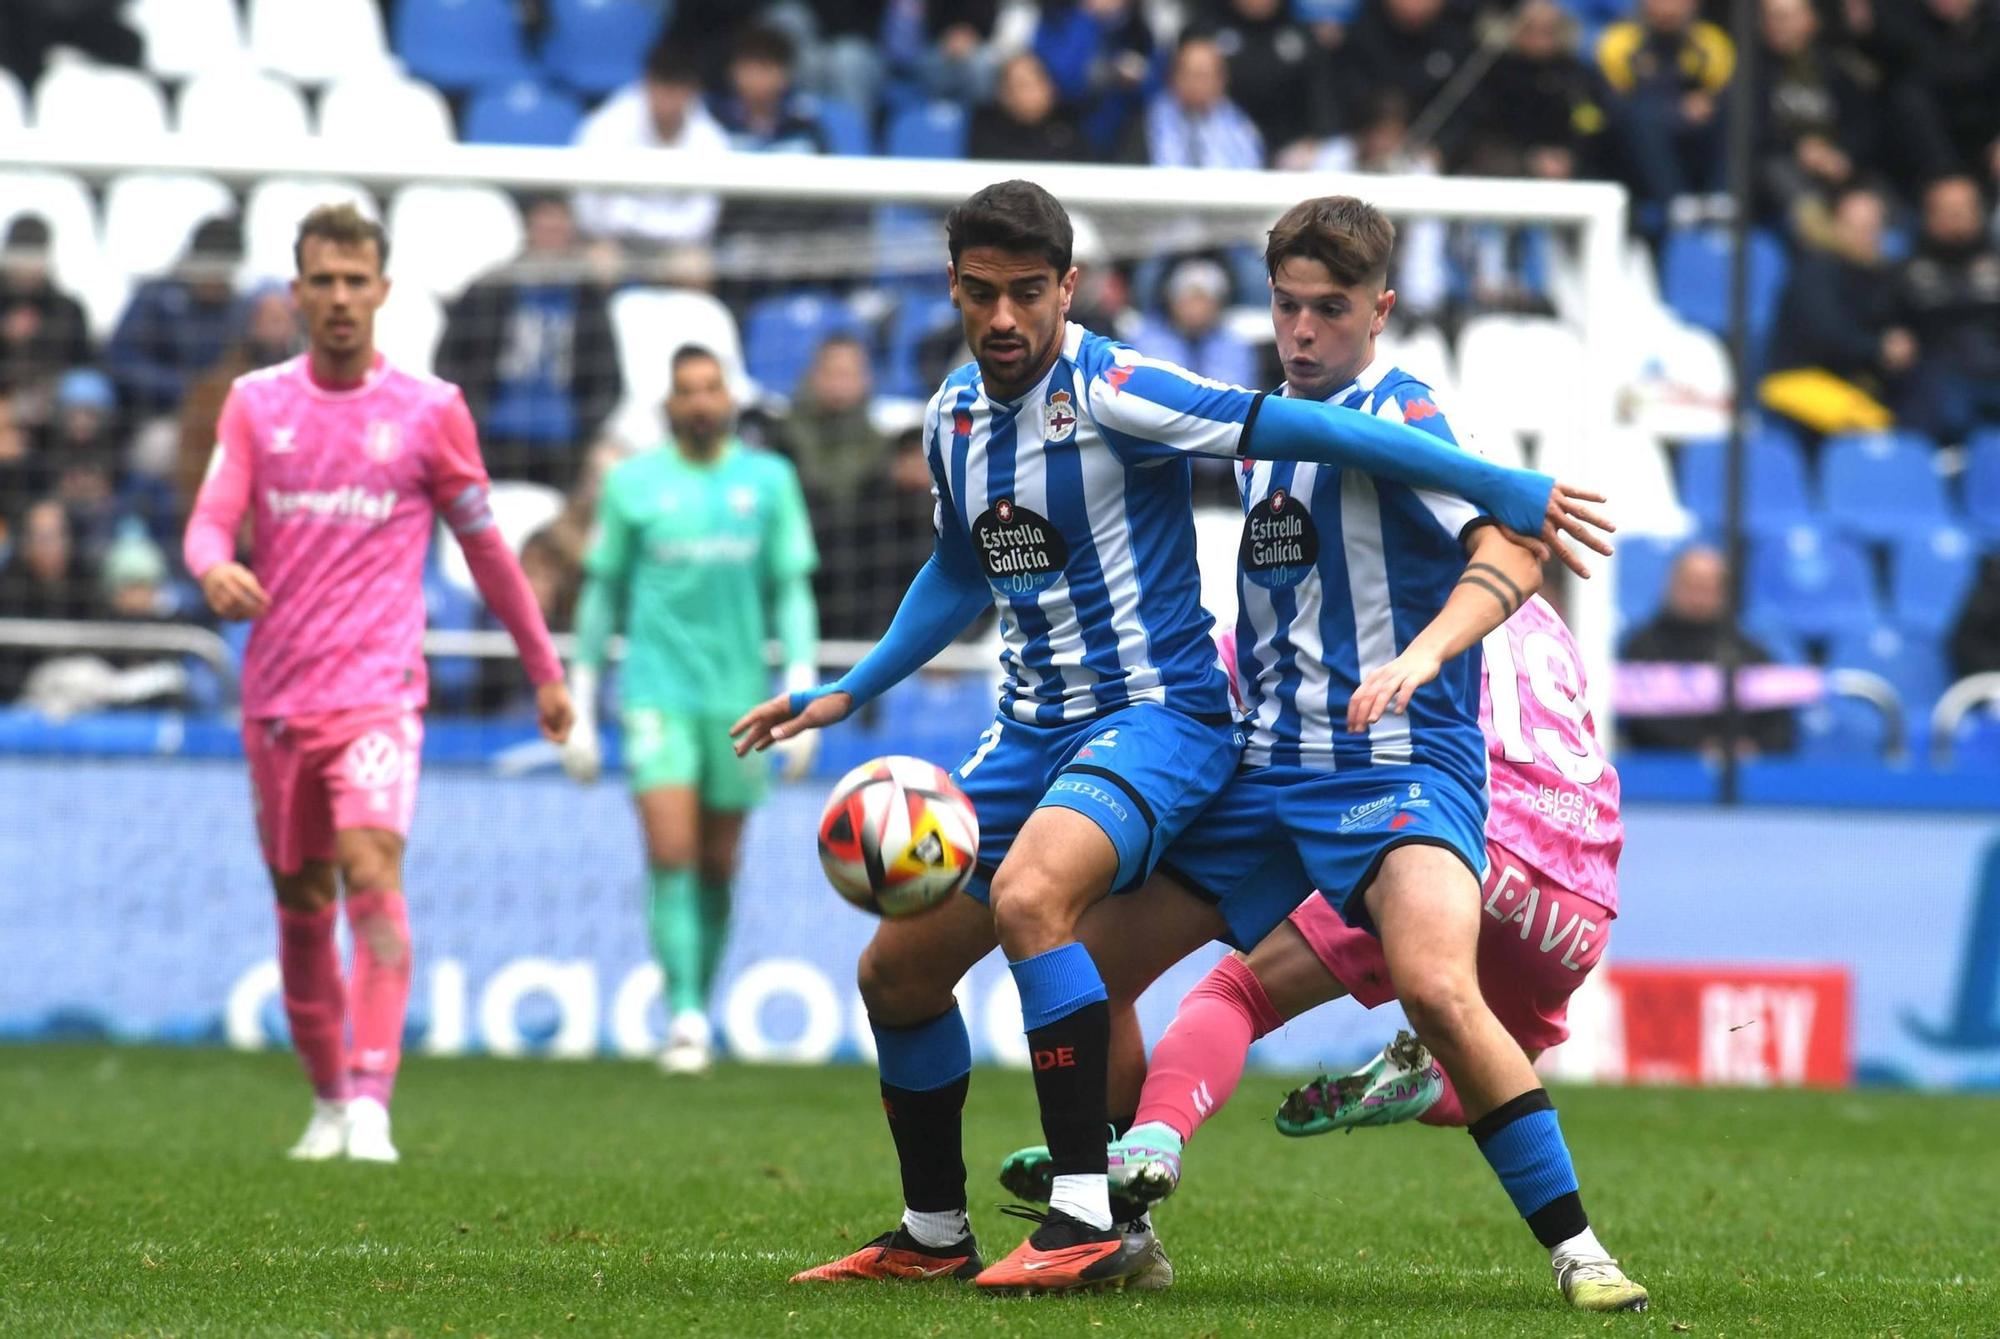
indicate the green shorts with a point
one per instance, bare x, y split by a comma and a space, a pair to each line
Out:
677, 748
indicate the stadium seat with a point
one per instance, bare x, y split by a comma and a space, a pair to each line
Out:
781, 334
1421, 351
519, 510
522, 111
242, 106
934, 130
651, 324
915, 321
319, 42
1982, 482
443, 237
149, 216
1929, 577
1639, 573
1842, 730
188, 37
1627, 463
13, 105
1913, 664
271, 214
846, 127
1775, 495
1694, 276
1882, 486
1814, 584
64, 201
1506, 365
378, 109
595, 46
459, 44
409, 327
99, 102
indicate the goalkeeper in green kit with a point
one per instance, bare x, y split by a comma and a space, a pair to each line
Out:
703, 553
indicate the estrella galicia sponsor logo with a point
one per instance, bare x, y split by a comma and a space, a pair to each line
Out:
1280, 542
1365, 817
1023, 552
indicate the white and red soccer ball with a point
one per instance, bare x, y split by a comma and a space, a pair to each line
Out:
898, 836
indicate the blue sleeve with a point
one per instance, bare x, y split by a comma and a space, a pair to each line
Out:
1153, 410
946, 596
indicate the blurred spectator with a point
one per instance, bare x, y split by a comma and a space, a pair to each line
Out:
175, 327
1419, 272
17, 459
1192, 122
1192, 333
842, 460
1975, 640
1944, 102
1103, 299
1101, 55
41, 580
1951, 306
1278, 73
1667, 70
1834, 352
944, 47
269, 333
133, 578
701, 31
761, 112
1816, 124
80, 459
1409, 47
1023, 122
43, 332
1693, 629
664, 110
1540, 111
837, 42
531, 345
30, 29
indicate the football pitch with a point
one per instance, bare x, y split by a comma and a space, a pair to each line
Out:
144, 1193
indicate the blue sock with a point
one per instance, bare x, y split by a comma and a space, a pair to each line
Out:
1056, 984
1523, 1143
926, 1056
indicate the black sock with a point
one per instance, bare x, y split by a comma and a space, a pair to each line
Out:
1070, 1082
926, 1126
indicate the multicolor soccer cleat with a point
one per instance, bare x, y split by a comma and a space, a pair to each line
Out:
1064, 1255
896, 1255
1156, 1271
1597, 1284
1143, 1168
1400, 1083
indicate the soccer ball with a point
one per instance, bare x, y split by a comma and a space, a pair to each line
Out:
898, 836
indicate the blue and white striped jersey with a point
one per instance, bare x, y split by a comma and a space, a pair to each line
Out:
1075, 500
1338, 571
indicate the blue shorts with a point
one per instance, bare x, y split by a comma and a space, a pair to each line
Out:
1275, 834
1140, 773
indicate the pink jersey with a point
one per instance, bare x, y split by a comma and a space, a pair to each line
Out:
346, 487
1555, 796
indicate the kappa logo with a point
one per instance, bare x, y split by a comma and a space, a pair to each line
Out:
1401, 821
1058, 418
384, 441
284, 441
1418, 410
1117, 377
374, 761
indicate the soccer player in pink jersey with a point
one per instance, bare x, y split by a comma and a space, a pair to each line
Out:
345, 462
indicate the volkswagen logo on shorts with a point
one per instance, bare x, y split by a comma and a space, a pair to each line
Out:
374, 761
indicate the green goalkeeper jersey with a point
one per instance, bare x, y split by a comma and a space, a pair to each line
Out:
693, 555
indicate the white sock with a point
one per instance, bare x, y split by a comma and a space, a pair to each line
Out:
1583, 1246
1154, 1134
1084, 1198
936, 1229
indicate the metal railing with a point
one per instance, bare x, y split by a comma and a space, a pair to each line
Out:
1959, 701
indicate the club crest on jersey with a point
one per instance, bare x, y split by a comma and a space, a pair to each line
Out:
1058, 417
1280, 542
384, 441
1022, 551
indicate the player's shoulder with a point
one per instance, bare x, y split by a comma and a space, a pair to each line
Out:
1403, 395
764, 464
262, 381
424, 388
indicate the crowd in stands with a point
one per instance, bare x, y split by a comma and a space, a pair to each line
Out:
1876, 279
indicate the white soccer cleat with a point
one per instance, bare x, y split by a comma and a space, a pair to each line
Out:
1157, 1274
1596, 1283
688, 1049
326, 1133
368, 1132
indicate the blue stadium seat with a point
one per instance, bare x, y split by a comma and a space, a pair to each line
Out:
1814, 584
846, 126
780, 335
1640, 573
934, 130
1694, 280
1982, 482
459, 44
1882, 486
595, 46
1929, 576
1912, 663
916, 319
1842, 729
1976, 742
1776, 495
522, 111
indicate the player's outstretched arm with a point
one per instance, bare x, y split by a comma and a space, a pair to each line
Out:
948, 594
1503, 572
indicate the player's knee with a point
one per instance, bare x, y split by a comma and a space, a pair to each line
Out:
307, 891
895, 992
1441, 1005
717, 873
1031, 914
666, 851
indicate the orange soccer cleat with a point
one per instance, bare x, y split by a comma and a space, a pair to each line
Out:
1065, 1255
898, 1255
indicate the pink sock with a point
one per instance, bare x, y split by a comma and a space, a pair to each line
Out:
1198, 1062
1446, 1111
380, 988
316, 1007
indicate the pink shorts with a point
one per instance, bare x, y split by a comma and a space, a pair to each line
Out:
1537, 943
312, 776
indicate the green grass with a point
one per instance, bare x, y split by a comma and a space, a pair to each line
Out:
143, 1192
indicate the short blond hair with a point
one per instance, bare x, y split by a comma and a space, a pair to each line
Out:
343, 225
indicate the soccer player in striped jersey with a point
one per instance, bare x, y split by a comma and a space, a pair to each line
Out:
1060, 463
1363, 604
